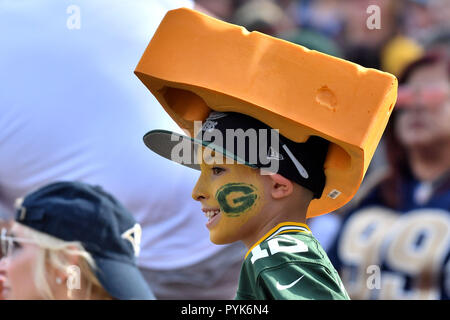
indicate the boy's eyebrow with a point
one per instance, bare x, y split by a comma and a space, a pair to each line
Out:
209, 156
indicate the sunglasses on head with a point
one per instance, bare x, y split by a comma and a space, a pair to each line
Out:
9, 243
429, 95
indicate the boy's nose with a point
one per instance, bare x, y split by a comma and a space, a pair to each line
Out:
199, 193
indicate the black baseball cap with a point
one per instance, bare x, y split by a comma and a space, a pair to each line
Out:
75, 211
248, 141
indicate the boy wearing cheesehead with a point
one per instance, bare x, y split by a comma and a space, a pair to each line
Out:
245, 200
259, 185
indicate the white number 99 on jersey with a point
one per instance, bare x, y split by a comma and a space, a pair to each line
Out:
410, 249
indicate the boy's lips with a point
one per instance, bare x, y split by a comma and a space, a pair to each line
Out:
213, 216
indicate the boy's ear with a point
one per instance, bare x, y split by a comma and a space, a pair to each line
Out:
281, 187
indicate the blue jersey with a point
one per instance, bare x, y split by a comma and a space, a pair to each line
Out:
383, 253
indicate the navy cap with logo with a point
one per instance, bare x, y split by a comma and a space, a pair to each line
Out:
247, 141
75, 211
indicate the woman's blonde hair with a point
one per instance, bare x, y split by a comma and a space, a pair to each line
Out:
56, 253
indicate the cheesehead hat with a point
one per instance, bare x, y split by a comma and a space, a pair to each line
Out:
196, 64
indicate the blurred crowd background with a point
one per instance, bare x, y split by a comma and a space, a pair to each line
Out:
391, 225
337, 27
408, 29
72, 109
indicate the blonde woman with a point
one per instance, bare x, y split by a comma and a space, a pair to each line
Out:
71, 241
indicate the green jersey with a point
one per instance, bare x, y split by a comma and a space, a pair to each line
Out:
289, 263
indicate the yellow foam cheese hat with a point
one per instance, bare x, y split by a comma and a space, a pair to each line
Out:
195, 64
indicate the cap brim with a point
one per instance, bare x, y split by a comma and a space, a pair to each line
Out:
168, 145
122, 280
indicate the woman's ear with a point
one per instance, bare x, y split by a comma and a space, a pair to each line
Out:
70, 260
281, 187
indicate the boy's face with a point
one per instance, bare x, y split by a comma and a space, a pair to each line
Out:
230, 194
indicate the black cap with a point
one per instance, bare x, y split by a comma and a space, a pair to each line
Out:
75, 211
251, 142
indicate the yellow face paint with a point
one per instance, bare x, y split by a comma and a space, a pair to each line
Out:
234, 189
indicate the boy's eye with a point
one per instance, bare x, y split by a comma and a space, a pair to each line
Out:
217, 170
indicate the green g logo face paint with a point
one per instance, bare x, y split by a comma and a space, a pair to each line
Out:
234, 207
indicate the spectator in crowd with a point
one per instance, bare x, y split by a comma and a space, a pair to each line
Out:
323, 16
263, 16
422, 18
398, 53
439, 41
363, 42
399, 224
72, 109
71, 240
222, 9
